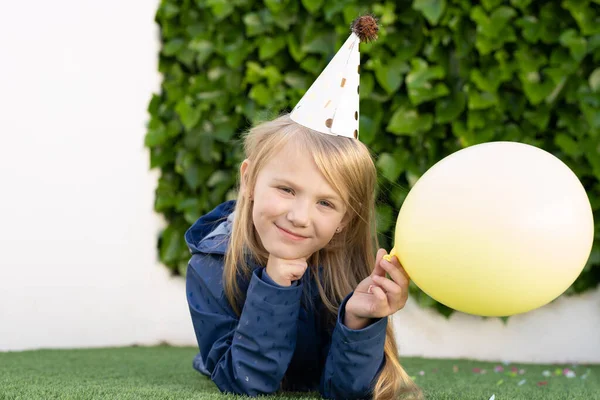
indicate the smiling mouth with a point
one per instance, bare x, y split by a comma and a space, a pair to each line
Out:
289, 234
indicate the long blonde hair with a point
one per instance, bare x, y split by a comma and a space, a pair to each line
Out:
349, 258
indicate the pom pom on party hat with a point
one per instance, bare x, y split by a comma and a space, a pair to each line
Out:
331, 104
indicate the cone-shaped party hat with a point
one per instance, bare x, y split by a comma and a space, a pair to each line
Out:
331, 104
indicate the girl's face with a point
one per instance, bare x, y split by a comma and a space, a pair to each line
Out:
295, 211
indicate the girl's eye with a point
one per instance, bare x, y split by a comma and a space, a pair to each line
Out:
326, 204
286, 190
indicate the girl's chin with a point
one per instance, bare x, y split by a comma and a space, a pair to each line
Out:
285, 254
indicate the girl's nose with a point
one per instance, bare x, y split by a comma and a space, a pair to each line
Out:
298, 215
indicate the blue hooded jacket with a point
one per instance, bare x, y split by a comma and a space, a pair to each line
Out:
281, 340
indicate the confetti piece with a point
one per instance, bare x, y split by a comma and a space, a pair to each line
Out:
414, 378
483, 371
506, 362
558, 371
500, 382
542, 383
476, 370
455, 368
546, 373
493, 397
421, 373
499, 368
570, 374
521, 371
522, 382
514, 369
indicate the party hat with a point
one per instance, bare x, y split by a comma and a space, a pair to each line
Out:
331, 104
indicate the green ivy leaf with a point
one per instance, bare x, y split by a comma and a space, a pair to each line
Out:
312, 5
173, 46
481, 100
384, 217
449, 108
594, 80
268, 47
576, 44
568, 145
390, 167
391, 75
420, 89
221, 9
431, 9
408, 121
189, 115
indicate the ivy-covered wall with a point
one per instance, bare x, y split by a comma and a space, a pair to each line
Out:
443, 75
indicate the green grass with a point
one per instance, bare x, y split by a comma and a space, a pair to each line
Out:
166, 373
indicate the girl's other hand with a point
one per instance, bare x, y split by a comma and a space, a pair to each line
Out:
377, 296
284, 272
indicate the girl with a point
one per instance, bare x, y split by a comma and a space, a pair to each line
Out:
283, 288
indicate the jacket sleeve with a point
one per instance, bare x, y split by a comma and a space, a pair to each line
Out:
250, 354
354, 359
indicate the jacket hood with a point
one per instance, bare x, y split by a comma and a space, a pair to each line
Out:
207, 233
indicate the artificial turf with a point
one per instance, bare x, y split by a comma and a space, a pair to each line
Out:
165, 372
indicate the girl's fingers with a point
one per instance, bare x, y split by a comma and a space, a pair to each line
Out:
388, 285
397, 273
378, 293
378, 270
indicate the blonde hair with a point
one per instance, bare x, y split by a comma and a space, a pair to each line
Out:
348, 167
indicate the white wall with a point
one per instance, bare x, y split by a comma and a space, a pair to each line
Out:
78, 263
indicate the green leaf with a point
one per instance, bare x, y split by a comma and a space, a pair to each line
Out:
389, 166
172, 244
576, 44
255, 24
408, 121
261, 94
431, 9
268, 47
568, 145
203, 49
189, 115
420, 89
312, 6
594, 80
323, 43
173, 46
384, 217
221, 9
391, 75
294, 48
275, 6
449, 108
538, 117
481, 100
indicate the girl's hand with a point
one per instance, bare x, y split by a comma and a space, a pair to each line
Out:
284, 272
377, 296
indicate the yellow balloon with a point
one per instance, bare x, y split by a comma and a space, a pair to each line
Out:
495, 229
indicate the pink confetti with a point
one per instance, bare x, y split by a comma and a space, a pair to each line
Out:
421, 373
499, 368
